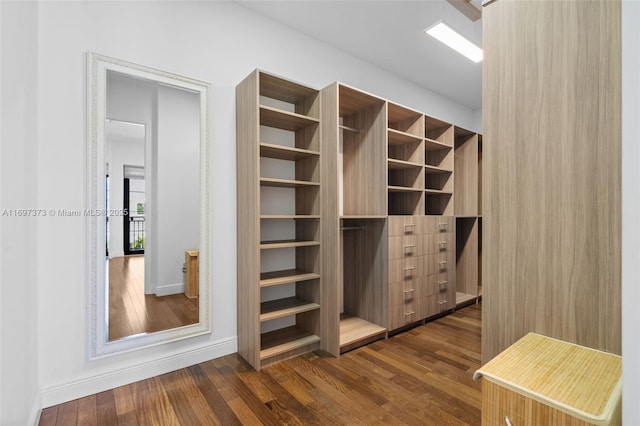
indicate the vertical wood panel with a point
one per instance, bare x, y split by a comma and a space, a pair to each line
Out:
551, 173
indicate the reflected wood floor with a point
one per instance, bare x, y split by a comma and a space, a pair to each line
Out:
419, 377
132, 312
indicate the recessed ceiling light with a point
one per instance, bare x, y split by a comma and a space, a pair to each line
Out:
443, 33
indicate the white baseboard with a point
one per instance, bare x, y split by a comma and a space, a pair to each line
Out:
89, 385
166, 290
34, 415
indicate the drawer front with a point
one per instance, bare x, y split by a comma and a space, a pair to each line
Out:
404, 246
403, 292
402, 225
428, 306
404, 314
401, 270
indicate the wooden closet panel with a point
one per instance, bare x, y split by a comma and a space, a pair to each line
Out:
551, 173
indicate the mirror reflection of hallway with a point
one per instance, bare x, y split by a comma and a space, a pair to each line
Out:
135, 307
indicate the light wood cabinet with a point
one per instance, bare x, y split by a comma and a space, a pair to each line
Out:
346, 226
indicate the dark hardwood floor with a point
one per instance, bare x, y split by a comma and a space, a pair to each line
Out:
420, 377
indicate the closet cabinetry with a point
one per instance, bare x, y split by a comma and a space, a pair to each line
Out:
356, 217
279, 225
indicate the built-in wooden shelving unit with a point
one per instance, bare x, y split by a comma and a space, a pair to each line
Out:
356, 217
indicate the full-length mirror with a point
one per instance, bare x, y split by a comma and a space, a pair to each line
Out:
148, 218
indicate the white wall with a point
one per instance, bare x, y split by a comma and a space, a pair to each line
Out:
630, 212
216, 41
19, 278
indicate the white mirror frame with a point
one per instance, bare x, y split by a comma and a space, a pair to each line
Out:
97, 312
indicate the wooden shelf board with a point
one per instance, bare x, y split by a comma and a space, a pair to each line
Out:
396, 137
287, 183
403, 189
288, 306
394, 164
348, 129
432, 145
284, 152
355, 216
464, 297
437, 192
285, 120
285, 340
353, 329
266, 245
290, 216
268, 279
435, 169
352, 100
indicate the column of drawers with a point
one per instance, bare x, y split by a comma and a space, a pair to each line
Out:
421, 267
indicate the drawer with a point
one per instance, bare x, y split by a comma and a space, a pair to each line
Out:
436, 284
401, 270
436, 243
404, 292
428, 306
403, 225
438, 224
403, 314
404, 246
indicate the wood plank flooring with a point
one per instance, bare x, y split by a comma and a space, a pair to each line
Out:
420, 377
132, 312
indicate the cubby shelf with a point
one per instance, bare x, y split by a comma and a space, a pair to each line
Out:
286, 183
396, 137
285, 120
394, 164
280, 308
268, 279
432, 145
354, 330
289, 216
433, 169
285, 340
267, 245
284, 152
404, 189
437, 192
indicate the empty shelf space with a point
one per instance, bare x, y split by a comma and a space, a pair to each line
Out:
286, 183
397, 137
289, 216
394, 164
284, 152
268, 279
285, 120
355, 216
284, 340
266, 245
403, 189
276, 87
434, 169
285, 307
354, 329
431, 145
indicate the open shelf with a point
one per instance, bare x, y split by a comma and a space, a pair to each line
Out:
268, 279
267, 245
434, 169
464, 298
396, 137
286, 183
394, 164
432, 145
404, 189
285, 340
280, 308
284, 152
285, 120
354, 330
289, 216
437, 192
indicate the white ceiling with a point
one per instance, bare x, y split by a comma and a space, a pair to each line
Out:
390, 34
